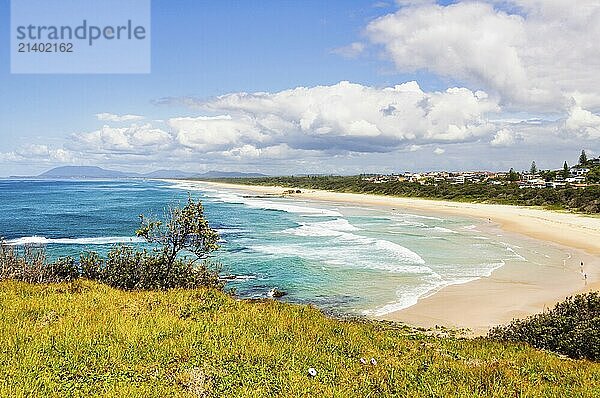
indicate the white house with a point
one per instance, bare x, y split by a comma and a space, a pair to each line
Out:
579, 171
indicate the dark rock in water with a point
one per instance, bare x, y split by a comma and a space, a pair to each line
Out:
276, 293
298, 191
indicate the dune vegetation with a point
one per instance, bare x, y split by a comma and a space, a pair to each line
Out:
83, 338
571, 328
584, 200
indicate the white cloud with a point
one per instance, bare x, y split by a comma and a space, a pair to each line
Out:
327, 122
537, 59
275, 152
39, 153
218, 132
344, 117
583, 123
504, 137
33, 150
352, 50
111, 117
135, 139
439, 151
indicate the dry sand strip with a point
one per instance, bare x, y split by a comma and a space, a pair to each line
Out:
511, 291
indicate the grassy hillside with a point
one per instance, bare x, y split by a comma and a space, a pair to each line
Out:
86, 339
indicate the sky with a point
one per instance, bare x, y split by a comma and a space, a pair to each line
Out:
345, 87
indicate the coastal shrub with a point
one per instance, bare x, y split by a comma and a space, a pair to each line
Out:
571, 328
127, 268
91, 265
28, 264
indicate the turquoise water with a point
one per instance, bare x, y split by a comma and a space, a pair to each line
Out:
339, 257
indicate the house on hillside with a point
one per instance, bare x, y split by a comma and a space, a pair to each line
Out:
576, 180
533, 183
594, 162
457, 179
579, 171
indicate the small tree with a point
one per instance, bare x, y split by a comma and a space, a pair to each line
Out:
583, 158
513, 175
548, 175
183, 229
565, 172
533, 169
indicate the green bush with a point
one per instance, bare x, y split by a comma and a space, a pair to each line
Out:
571, 328
185, 229
128, 269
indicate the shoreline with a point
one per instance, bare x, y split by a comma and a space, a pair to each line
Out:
512, 291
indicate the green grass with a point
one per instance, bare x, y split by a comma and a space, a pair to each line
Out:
86, 339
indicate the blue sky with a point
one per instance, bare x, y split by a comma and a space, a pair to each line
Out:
202, 49
199, 48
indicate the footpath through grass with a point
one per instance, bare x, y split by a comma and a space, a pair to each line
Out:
87, 339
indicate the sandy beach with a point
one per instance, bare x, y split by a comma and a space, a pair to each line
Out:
511, 291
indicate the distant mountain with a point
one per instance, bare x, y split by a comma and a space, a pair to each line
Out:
98, 172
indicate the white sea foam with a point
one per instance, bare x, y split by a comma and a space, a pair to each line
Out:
339, 228
351, 251
335, 227
339, 224
354, 256
311, 230
517, 255
400, 252
442, 229
189, 186
244, 278
405, 298
41, 240
406, 223
410, 215
231, 230
409, 297
260, 203
491, 267
256, 203
304, 210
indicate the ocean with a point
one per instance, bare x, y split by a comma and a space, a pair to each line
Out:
342, 258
